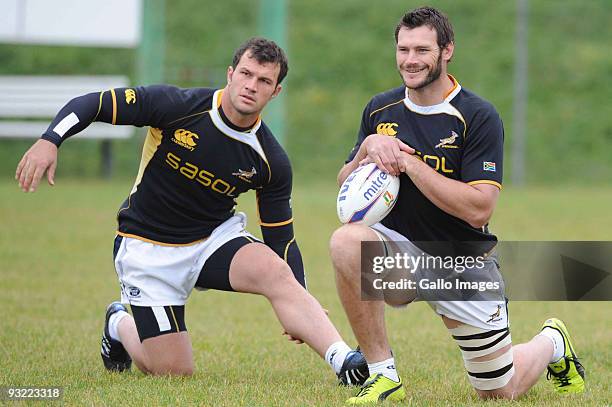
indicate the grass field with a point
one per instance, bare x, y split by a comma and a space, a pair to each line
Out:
57, 278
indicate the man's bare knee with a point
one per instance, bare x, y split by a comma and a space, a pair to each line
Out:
346, 238
345, 244
275, 274
169, 364
169, 354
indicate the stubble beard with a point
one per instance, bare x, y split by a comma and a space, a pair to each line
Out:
432, 76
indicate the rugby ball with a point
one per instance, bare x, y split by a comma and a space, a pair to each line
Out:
367, 195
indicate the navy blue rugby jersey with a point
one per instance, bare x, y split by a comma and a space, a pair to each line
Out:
461, 138
194, 163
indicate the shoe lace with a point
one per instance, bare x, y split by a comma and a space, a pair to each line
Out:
562, 378
368, 386
564, 381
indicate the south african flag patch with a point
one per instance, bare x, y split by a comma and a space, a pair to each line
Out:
488, 166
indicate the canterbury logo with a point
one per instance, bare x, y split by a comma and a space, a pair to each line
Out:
386, 129
448, 142
496, 314
185, 138
245, 175
130, 96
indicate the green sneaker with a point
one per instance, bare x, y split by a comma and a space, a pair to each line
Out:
378, 388
567, 373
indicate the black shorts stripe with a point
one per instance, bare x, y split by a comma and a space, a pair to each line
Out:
483, 335
493, 374
487, 346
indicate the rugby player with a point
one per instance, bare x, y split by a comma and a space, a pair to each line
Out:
446, 144
178, 230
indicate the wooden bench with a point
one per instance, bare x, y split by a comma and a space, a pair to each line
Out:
29, 103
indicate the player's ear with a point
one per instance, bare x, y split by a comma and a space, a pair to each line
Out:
230, 73
277, 90
447, 52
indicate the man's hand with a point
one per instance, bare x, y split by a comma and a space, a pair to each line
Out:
385, 151
41, 157
298, 341
407, 161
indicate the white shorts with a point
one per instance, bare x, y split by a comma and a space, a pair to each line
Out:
155, 275
490, 315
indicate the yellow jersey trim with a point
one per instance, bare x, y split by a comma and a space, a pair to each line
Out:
144, 239
269, 171
114, 106
455, 84
188, 116
99, 105
272, 225
384, 107
219, 99
485, 181
152, 142
287, 248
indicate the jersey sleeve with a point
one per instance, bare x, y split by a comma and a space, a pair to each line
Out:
155, 106
482, 161
365, 129
275, 213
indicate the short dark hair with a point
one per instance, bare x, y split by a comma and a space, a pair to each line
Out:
431, 17
264, 50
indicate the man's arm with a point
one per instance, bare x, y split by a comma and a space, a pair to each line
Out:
75, 116
133, 106
275, 212
472, 203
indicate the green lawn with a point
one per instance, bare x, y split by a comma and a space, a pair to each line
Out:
57, 278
